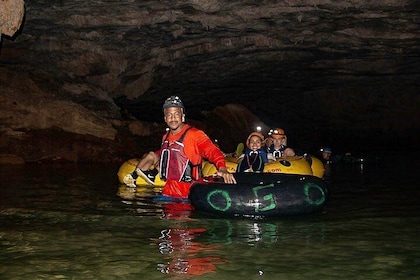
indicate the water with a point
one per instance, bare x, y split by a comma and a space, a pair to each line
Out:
75, 222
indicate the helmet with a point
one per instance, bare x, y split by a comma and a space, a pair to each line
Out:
173, 101
326, 150
277, 133
255, 133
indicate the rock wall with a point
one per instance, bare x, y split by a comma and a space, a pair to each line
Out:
11, 16
39, 125
339, 72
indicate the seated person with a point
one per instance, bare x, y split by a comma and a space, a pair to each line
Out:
181, 154
254, 157
326, 154
278, 148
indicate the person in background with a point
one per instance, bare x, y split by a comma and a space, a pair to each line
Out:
268, 141
278, 148
182, 151
326, 160
326, 154
254, 157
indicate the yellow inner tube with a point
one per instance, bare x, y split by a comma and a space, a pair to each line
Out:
288, 165
129, 166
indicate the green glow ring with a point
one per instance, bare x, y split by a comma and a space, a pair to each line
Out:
225, 194
318, 202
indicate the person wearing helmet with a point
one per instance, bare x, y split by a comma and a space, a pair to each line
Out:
254, 157
182, 151
326, 154
278, 148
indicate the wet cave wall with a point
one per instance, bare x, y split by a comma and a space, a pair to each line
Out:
85, 81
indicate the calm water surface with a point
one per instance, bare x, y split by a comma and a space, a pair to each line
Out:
76, 222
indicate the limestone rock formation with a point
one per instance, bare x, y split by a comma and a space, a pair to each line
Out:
11, 16
89, 77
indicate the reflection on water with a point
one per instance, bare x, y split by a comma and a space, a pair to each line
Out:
76, 222
181, 252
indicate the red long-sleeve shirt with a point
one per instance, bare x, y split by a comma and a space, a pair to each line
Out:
197, 146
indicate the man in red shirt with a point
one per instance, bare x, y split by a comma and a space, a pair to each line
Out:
182, 152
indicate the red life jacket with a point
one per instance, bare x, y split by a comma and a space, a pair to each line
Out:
174, 164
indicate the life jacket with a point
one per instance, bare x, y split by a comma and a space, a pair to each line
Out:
174, 164
253, 161
277, 153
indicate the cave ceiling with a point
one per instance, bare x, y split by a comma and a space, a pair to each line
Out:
281, 59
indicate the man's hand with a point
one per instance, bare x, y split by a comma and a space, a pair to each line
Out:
227, 177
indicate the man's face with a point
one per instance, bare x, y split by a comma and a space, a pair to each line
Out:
173, 117
326, 155
278, 142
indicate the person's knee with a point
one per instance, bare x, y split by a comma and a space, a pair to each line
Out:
152, 157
